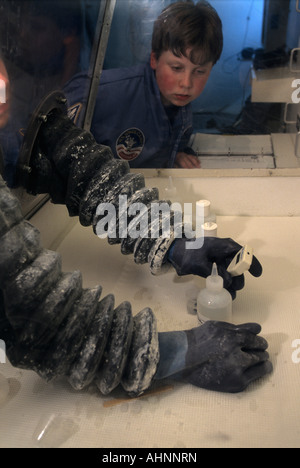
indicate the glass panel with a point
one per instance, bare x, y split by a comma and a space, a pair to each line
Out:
49, 45
43, 45
245, 94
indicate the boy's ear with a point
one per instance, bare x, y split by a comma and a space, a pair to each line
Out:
153, 61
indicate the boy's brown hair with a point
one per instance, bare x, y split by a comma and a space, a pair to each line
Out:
185, 25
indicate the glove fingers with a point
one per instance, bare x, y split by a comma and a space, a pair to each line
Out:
257, 371
231, 283
246, 335
257, 357
204, 269
251, 327
255, 268
232, 293
248, 327
226, 251
255, 343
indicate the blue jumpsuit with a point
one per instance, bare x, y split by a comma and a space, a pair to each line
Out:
130, 118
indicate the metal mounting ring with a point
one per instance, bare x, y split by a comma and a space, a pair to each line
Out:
55, 101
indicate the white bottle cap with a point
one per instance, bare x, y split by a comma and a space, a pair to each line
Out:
205, 206
209, 229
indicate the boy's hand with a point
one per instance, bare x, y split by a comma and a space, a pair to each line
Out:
187, 161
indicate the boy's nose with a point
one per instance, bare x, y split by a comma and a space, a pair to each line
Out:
186, 80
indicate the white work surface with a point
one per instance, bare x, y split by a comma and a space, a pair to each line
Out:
174, 415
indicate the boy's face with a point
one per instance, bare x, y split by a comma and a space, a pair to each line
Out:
180, 81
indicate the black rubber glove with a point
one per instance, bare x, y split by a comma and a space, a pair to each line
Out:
199, 261
216, 356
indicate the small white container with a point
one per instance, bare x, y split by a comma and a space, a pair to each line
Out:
205, 225
214, 302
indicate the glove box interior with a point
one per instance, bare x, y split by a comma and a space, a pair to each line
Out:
171, 414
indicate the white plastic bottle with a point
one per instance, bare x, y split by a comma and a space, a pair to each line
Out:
214, 302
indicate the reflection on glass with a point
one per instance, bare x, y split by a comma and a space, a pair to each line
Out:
143, 112
258, 40
43, 44
46, 45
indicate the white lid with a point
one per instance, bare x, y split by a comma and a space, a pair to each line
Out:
209, 226
209, 229
205, 206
